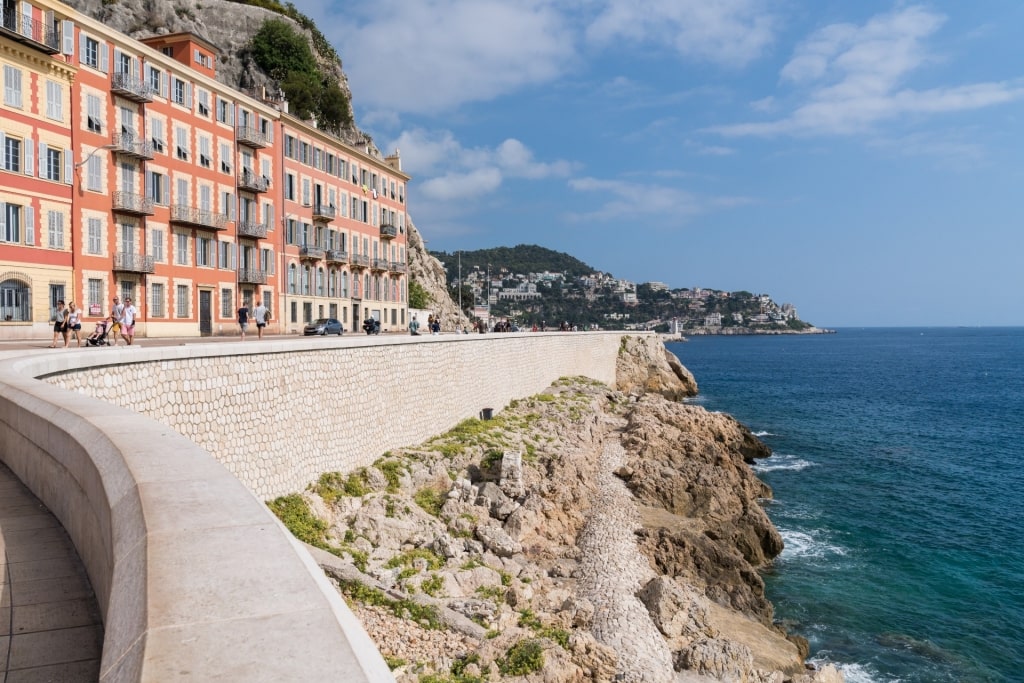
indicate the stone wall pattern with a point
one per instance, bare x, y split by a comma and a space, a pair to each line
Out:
279, 414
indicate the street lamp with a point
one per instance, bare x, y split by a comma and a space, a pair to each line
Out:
93, 153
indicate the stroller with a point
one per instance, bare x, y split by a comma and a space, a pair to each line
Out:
99, 335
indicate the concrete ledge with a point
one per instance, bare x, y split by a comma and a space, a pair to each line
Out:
194, 576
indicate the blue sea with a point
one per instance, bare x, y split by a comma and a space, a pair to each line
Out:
898, 474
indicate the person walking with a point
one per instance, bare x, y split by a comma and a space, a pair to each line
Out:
128, 316
243, 318
261, 314
60, 325
74, 324
116, 313
414, 326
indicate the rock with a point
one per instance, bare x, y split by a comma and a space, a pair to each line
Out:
580, 612
525, 519
645, 365
512, 474
494, 499
448, 547
598, 662
723, 660
677, 610
474, 608
826, 674
497, 541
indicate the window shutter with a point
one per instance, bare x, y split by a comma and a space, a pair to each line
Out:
67, 28
165, 195
30, 225
104, 58
26, 19
69, 169
42, 160
3, 147
188, 95
136, 71
149, 184
163, 84
81, 46
3, 219
117, 59
29, 149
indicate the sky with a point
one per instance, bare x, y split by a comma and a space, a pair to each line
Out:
863, 161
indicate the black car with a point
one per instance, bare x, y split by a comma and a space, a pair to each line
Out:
323, 326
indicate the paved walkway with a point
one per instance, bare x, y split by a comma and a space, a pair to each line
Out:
50, 627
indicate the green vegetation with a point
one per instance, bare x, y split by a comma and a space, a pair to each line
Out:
418, 296
430, 499
433, 585
393, 662
294, 513
527, 619
333, 485
284, 54
407, 558
523, 658
392, 471
425, 615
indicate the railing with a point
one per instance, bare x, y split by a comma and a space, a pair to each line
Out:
398, 267
311, 253
127, 262
131, 146
131, 87
323, 212
247, 180
380, 264
388, 231
252, 276
247, 135
129, 202
190, 215
27, 30
360, 260
337, 256
252, 229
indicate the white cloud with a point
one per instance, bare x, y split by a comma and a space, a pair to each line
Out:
665, 205
855, 77
727, 32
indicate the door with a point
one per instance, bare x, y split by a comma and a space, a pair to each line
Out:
356, 323
205, 312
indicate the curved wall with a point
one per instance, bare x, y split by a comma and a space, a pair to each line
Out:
195, 578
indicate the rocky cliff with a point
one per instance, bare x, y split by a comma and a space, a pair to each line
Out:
583, 534
429, 273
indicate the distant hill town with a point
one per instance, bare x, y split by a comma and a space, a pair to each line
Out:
531, 285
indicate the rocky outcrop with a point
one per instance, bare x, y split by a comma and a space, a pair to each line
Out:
430, 274
646, 366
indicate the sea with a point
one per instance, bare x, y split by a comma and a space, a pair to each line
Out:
898, 480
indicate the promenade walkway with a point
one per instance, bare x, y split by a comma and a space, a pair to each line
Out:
50, 626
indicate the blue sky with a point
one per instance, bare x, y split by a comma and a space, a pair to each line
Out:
861, 160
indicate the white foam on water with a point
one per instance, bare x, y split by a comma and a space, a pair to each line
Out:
858, 673
782, 462
763, 433
800, 544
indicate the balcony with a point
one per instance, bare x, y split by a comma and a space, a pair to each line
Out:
250, 182
323, 212
252, 229
199, 218
130, 146
249, 136
360, 261
252, 276
380, 264
28, 31
398, 267
131, 88
388, 232
311, 253
337, 256
127, 262
129, 202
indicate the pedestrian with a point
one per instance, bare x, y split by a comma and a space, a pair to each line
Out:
116, 313
60, 325
435, 327
128, 316
261, 314
243, 318
74, 324
414, 326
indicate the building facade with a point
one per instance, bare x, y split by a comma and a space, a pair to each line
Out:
129, 170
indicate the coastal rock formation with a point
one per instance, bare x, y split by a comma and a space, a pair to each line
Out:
581, 535
646, 366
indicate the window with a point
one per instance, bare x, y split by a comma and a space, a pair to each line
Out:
204, 103
156, 300
304, 152
181, 250
15, 301
225, 111
183, 196
178, 92
90, 52
291, 278
55, 229
289, 187
94, 297
227, 205
319, 281
344, 284
12, 86
156, 244
267, 261
182, 301
54, 101
12, 154
224, 249
52, 162
204, 251
306, 277
289, 146
225, 158
10, 230
226, 300
156, 187
94, 174
94, 114
155, 78
305, 191
157, 126
95, 236
204, 152
205, 198
181, 143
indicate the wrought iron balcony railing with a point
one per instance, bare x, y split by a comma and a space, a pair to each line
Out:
131, 87
127, 262
129, 202
201, 218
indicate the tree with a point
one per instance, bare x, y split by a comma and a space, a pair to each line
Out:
418, 296
280, 50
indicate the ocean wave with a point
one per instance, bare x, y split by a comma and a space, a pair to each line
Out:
782, 462
800, 544
762, 434
858, 673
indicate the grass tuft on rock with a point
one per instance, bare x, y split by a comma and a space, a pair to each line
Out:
523, 658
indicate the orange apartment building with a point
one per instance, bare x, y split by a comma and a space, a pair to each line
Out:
184, 195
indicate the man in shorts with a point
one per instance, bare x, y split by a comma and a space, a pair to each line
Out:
243, 319
261, 314
116, 315
128, 321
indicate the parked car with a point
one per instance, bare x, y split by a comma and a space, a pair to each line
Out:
323, 326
